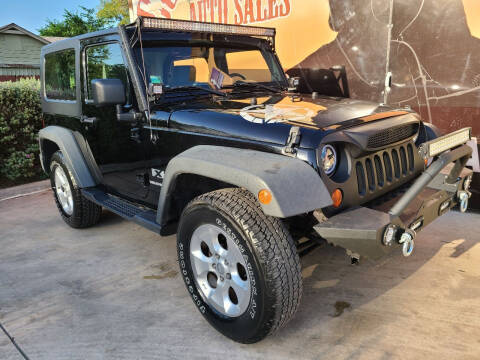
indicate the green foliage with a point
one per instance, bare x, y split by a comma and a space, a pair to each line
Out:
75, 23
114, 11
20, 120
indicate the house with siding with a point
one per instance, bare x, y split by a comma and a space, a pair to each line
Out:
20, 52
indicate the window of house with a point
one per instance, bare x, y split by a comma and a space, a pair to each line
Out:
106, 62
60, 75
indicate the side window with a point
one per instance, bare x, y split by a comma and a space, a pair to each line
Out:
105, 62
60, 75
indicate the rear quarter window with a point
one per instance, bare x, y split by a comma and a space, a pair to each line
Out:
60, 75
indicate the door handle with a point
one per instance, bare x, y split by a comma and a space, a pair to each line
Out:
88, 120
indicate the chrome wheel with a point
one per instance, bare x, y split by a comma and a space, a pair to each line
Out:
63, 190
220, 270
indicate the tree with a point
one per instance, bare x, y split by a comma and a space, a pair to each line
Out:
75, 23
114, 11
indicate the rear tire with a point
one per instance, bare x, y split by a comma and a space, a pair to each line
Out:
229, 222
76, 211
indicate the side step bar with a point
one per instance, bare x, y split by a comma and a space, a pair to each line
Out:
139, 215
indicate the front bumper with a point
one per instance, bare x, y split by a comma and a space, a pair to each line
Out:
361, 230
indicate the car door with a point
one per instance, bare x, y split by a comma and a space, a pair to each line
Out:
115, 145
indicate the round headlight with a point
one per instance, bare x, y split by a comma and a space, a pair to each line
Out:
328, 159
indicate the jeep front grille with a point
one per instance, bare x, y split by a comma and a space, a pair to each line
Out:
392, 135
386, 166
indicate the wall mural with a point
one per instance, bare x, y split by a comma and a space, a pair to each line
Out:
427, 46
434, 59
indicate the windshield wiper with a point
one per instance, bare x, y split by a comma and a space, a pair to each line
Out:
258, 85
195, 87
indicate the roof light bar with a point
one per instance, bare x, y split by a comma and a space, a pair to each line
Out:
447, 142
196, 26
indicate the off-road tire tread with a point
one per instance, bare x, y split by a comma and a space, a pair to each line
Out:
274, 247
86, 213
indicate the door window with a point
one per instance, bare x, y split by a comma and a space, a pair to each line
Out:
106, 62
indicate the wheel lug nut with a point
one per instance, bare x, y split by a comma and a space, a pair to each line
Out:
221, 278
226, 263
214, 265
229, 276
217, 256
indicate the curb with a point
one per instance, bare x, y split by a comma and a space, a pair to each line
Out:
23, 190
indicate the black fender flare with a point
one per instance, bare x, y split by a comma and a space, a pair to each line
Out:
76, 152
296, 187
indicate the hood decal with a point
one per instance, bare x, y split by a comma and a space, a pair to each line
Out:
288, 111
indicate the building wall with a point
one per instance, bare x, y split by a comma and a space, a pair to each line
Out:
4, 78
19, 56
19, 49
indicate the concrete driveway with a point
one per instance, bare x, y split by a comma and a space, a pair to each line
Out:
114, 292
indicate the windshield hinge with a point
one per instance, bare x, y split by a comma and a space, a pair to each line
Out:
293, 140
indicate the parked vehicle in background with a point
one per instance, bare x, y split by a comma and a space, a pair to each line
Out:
193, 128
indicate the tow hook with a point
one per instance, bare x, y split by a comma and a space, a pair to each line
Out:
407, 241
463, 197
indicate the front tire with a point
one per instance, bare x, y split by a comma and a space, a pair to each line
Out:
240, 266
76, 211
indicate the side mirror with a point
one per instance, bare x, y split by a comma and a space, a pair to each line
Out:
108, 92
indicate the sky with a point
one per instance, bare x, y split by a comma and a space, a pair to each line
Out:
32, 14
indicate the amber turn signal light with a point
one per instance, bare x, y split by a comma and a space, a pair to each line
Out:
337, 198
264, 196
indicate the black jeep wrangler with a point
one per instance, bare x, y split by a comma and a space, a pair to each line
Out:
194, 128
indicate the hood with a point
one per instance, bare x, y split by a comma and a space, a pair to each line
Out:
271, 118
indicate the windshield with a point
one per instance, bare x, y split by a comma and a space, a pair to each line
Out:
210, 67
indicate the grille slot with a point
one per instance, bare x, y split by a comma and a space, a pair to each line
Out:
370, 174
403, 160
388, 166
362, 188
379, 170
396, 164
374, 171
392, 135
411, 158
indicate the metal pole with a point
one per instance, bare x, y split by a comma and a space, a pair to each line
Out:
387, 64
